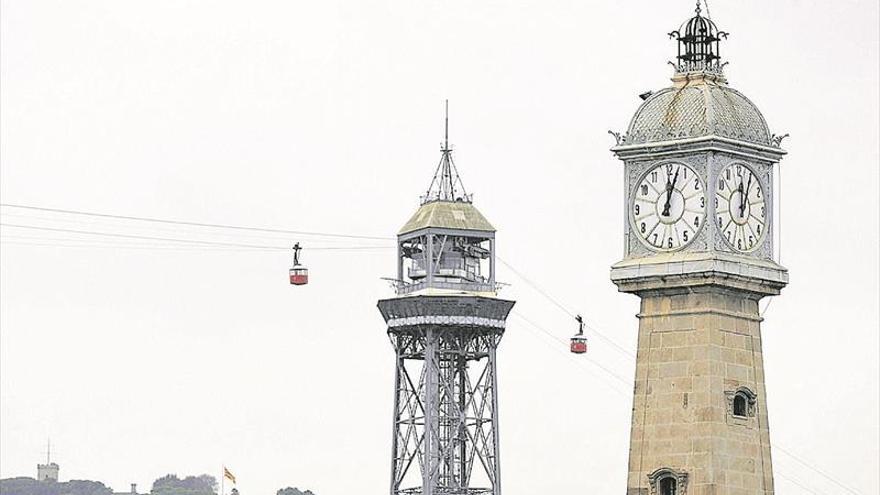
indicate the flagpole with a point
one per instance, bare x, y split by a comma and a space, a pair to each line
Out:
222, 479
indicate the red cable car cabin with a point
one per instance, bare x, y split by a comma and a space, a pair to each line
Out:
579, 342
299, 275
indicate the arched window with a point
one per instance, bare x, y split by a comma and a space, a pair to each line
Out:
668, 485
740, 405
668, 481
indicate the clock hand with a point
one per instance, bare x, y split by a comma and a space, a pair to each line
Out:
665, 212
739, 189
745, 195
669, 188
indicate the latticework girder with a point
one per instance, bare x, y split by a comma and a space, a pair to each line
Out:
445, 411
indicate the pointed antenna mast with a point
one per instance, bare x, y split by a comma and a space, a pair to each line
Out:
48, 450
446, 184
446, 133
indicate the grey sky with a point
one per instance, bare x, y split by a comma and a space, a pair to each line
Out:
327, 116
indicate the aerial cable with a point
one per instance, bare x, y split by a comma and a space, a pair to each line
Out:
612, 386
142, 237
797, 483
563, 308
536, 287
13, 239
83, 243
137, 227
56, 245
10, 238
273, 230
560, 306
620, 391
193, 224
286, 248
185, 241
817, 470
554, 337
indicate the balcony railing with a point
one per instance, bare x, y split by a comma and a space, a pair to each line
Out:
404, 288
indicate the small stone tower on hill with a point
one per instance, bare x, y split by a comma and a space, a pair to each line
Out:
48, 471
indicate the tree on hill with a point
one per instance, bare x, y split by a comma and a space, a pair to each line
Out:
293, 491
30, 486
170, 484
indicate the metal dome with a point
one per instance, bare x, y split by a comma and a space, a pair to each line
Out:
702, 106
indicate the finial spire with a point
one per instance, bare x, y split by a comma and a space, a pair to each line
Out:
446, 184
48, 450
698, 8
446, 133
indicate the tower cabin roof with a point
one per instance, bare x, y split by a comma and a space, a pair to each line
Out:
459, 215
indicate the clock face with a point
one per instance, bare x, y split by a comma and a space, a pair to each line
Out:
668, 207
740, 210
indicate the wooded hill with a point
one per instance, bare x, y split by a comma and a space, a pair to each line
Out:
169, 484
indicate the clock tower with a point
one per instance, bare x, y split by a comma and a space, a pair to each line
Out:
698, 250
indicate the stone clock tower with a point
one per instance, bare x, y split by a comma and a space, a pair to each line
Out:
698, 159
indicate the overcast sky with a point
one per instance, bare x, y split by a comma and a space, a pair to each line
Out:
326, 116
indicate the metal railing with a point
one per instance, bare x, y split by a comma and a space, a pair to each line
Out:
403, 288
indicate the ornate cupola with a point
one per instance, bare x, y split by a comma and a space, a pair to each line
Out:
699, 43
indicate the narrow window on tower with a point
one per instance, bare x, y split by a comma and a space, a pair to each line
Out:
740, 405
668, 481
667, 486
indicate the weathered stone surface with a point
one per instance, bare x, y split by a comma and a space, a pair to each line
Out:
696, 351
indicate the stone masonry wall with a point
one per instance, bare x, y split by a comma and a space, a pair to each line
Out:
695, 351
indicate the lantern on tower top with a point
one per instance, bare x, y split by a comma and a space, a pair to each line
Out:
699, 45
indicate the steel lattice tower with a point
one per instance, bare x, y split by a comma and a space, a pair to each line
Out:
445, 326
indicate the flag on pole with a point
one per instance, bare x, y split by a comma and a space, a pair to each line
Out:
228, 475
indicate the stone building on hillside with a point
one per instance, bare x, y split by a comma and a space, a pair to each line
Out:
48, 471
